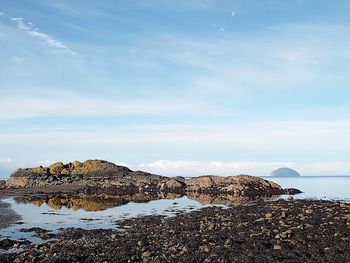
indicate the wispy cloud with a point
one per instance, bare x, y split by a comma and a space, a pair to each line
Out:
77, 105
245, 146
31, 30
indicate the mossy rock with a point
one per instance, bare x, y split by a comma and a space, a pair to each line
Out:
65, 171
77, 164
56, 168
40, 170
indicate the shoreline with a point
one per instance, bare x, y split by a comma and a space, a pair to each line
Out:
7, 216
275, 231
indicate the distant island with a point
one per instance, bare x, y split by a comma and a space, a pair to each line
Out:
285, 172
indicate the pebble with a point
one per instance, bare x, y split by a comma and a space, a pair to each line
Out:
211, 226
283, 215
268, 216
309, 211
277, 247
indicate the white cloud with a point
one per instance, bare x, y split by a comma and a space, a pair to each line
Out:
34, 32
195, 168
254, 148
6, 161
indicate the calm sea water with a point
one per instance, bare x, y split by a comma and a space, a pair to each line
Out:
49, 215
318, 187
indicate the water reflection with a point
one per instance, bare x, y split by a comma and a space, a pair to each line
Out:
226, 199
91, 204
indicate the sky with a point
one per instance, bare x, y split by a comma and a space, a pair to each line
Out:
177, 87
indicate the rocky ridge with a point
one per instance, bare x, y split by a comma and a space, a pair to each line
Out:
94, 177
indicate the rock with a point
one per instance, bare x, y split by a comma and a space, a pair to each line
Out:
308, 211
41, 170
241, 185
146, 254
6, 243
211, 226
140, 243
292, 191
277, 247
114, 236
269, 216
283, 214
65, 171
56, 168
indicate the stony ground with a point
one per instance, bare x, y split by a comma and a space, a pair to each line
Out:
281, 231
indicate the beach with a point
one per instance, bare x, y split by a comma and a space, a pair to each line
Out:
280, 231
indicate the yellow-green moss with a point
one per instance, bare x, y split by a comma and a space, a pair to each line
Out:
65, 171
40, 170
56, 168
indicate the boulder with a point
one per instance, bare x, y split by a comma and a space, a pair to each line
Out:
21, 178
56, 168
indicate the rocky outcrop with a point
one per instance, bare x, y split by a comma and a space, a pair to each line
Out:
97, 177
241, 185
92, 173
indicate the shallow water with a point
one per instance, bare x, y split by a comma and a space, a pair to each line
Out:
51, 217
53, 213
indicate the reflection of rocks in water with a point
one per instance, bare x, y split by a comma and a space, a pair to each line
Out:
75, 203
91, 203
222, 199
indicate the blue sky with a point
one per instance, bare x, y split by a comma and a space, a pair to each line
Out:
177, 87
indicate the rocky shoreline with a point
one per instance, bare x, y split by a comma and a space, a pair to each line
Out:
280, 231
252, 229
